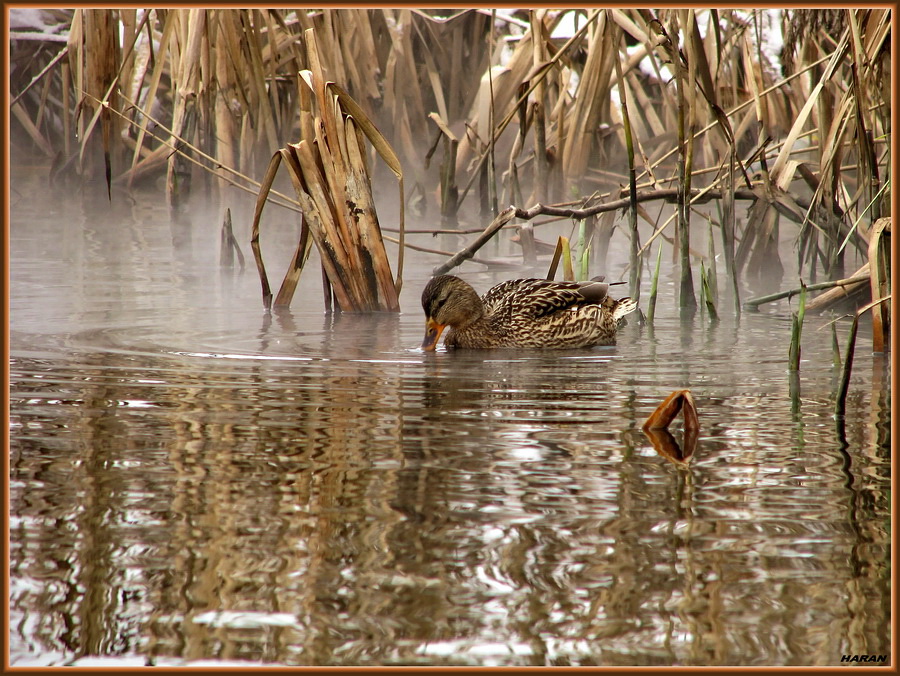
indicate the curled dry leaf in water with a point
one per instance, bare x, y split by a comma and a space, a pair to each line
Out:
656, 427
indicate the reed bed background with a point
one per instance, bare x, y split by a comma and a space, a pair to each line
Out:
661, 116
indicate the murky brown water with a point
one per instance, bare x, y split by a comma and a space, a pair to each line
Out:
193, 481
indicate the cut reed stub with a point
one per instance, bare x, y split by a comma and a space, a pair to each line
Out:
657, 424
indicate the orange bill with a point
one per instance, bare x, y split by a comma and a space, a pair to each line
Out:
433, 332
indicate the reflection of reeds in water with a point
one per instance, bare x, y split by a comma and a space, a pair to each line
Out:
218, 93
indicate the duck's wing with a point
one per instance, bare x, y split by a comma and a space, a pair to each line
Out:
536, 298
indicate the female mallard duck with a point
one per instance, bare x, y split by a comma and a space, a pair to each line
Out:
522, 313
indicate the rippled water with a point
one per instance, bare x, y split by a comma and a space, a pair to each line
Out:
193, 481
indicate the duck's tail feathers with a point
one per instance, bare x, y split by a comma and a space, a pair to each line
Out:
623, 307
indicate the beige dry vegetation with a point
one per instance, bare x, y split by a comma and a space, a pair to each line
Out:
221, 96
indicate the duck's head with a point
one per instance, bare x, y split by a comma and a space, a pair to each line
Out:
448, 301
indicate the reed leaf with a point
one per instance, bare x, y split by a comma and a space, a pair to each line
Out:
568, 270
840, 401
584, 248
712, 273
563, 254
706, 294
265, 188
365, 219
835, 347
295, 267
654, 283
554, 261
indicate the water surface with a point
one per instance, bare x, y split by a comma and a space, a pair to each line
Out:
196, 481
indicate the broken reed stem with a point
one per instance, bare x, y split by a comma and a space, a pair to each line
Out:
492, 166
756, 302
796, 330
562, 253
697, 195
569, 212
226, 253
539, 122
229, 245
554, 262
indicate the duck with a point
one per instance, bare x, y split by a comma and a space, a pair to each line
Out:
522, 313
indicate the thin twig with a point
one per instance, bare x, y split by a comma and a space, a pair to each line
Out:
502, 219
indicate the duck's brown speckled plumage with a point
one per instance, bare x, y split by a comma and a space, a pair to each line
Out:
532, 313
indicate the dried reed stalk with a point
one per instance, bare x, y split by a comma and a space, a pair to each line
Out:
687, 301
331, 179
449, 189
590, 109
634, 262
827, 123
879, 271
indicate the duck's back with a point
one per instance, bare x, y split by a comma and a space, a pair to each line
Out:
540, 313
